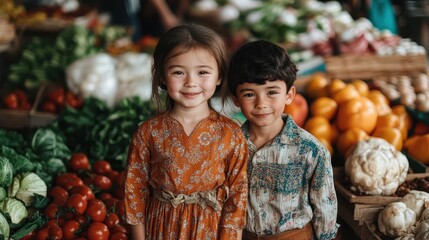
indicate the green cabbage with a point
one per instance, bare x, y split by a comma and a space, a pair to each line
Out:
29, 184
15, 209
4, 227
6, 172
3, 193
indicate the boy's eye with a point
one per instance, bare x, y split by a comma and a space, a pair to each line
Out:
272, 93
248, 95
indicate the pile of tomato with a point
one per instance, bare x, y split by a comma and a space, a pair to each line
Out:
87, 203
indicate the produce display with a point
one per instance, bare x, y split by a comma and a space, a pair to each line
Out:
63, 180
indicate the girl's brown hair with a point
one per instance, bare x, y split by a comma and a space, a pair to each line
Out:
185, 37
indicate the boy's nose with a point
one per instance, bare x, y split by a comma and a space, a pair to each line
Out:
260, 102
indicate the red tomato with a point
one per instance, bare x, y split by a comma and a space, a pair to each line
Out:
60, 200
118, 236
11, 101
68, 181
56, 222
51, 211
57, 191
73, 101
101, 167
55, 233
49, 106
81, 219
57, 96
111, 204
70, 228
102, 182
96, 211
77, 203
119, 228
111, 220
83, 190
98, 231
112, 175
79, 161
104, 195
42, 234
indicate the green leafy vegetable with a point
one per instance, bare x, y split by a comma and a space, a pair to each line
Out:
4, 227
29, 184
6, 172
15, 209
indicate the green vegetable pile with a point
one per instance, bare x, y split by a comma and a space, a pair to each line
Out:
44, 60
101, 132
27, 169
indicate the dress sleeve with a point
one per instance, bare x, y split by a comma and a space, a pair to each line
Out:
136, 180
323, 198
234, 210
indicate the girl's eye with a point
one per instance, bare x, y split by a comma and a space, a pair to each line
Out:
204, 72
177, 72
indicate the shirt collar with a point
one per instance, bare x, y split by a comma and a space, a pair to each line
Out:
289, 135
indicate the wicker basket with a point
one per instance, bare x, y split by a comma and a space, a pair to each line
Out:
349, 67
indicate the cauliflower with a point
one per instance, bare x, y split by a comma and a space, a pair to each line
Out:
375, 167
396, 220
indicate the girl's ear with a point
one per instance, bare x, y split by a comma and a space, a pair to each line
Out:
219, 81
290, 95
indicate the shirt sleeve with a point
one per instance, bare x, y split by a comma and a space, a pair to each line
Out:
136, 181
234, 210
323, 198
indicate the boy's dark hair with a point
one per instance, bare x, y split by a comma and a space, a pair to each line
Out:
258, 62
185, 37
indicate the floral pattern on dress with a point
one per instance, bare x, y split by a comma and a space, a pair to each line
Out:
163, 158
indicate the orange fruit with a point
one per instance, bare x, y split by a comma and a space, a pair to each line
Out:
391, 135
388, 120
320, 127
359, 112
348, 139
361, 86
325, 107
381, 102
315, 87
334, 86
345, 94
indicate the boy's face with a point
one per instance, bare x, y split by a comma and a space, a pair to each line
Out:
263, 105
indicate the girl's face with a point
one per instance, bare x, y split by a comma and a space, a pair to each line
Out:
263, 105
191, 77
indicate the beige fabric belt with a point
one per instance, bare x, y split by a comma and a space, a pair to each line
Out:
210, 198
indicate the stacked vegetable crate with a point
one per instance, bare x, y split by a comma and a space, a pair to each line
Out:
371, 66
20, 119
360, 212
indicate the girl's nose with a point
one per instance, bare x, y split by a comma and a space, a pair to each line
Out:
190, 81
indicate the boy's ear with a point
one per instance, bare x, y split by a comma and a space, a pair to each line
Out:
290, 95
235, 100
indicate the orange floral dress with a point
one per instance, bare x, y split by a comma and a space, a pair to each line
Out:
162, 158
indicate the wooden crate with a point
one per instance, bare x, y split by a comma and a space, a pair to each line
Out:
366, 199
21, 119
367, 67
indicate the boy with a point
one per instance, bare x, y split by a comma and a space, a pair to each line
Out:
291, 188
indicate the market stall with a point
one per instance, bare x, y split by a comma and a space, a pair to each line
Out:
71, 101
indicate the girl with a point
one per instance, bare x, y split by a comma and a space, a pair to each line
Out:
186, 171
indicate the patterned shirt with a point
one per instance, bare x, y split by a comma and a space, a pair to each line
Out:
291, 184
162, 158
